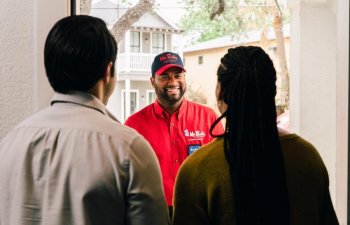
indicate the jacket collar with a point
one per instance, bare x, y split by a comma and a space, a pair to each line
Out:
84, 99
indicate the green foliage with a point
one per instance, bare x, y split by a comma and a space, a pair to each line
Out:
238, 16
197, 24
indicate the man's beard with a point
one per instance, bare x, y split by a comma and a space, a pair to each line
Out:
172, 99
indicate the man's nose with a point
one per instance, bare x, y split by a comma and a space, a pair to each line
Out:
172, 79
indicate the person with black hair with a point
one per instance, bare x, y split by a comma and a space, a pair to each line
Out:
73, 162
254, 173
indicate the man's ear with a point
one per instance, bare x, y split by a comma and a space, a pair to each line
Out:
107, 76
152, 79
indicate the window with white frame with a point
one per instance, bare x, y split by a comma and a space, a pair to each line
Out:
135, 44
134, 103
158, 43
150, 96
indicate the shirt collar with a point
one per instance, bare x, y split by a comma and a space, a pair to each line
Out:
83, 99
179, 113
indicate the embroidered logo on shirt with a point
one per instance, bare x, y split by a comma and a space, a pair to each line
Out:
194, 134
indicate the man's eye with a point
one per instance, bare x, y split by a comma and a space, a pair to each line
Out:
164, 77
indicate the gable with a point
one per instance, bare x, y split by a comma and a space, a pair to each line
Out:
152, 19
110, 12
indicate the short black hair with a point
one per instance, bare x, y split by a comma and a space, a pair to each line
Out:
77, 51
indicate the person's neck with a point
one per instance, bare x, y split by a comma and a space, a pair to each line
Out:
170, 108
98, 91
282, 132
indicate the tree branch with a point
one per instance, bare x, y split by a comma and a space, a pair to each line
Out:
130, 17
218, 9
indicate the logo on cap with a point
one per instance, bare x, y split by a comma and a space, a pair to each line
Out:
166, 60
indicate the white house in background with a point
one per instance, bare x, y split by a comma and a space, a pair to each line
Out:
149, 36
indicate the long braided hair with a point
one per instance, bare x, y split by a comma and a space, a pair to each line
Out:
251, 143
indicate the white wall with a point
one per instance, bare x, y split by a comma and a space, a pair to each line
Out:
16, 61
23, 86
319, 85
47, 14
313, 79
342, 114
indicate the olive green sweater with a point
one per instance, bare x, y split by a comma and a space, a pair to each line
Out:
203, 190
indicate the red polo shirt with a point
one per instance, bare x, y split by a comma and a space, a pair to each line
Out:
174, 137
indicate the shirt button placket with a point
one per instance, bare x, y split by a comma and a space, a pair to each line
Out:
173, 141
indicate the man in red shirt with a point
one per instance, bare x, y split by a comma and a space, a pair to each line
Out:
174, 126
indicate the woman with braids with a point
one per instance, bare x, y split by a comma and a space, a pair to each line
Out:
254, 173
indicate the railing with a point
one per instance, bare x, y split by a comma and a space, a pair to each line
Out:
140, 62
